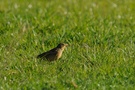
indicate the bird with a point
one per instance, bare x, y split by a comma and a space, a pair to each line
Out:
53, 54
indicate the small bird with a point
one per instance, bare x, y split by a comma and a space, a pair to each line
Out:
53, 54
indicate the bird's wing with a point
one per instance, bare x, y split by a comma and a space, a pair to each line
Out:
50, 52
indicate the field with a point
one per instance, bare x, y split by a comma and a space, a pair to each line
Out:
100, 34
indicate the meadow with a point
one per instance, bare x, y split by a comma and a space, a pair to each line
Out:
100, 34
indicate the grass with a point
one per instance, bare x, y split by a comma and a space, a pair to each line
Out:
100, 34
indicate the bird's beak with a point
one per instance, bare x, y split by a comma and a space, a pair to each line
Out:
66, 44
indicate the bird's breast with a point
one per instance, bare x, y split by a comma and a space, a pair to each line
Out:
59, 54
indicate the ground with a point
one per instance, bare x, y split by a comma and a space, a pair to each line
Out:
100, 34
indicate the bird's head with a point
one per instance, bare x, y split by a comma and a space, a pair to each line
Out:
62, 45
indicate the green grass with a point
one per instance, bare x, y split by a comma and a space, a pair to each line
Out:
100, 34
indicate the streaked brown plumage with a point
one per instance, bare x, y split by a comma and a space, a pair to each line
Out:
53, 54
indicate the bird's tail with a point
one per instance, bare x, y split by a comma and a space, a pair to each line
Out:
41, 55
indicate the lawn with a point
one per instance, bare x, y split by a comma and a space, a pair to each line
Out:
100, 54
